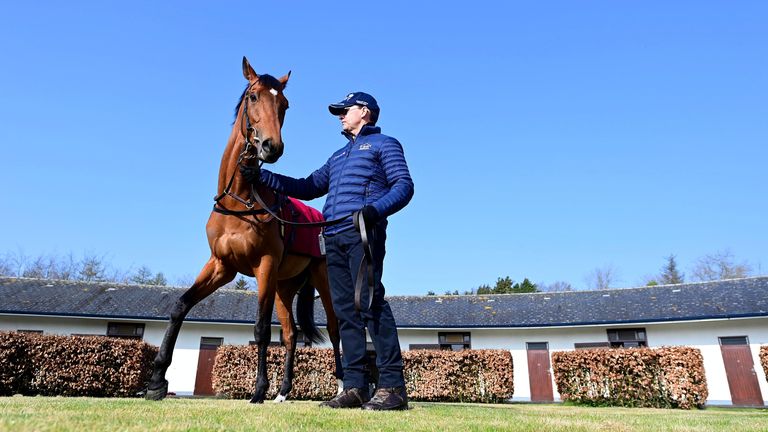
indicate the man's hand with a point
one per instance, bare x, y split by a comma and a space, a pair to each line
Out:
370, 215
251, 174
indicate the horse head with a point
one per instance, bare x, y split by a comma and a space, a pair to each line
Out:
264, 112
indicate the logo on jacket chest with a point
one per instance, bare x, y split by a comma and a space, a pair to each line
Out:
365, 146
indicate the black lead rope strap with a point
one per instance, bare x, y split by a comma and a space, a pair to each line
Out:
366, 261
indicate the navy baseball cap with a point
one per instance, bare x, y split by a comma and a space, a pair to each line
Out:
356, 98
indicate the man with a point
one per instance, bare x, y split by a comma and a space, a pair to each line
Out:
368, 175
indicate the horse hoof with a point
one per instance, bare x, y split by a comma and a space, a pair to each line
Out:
157, 394
255, 400
280, 398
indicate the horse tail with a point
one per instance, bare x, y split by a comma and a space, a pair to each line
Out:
305, 313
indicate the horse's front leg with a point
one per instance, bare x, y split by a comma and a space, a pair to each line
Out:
213, 275
266, 276
285, 315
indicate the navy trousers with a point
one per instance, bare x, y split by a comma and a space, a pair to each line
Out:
344, 251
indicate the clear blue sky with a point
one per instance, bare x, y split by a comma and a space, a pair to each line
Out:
545, 139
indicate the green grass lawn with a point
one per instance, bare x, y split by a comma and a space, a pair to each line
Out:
87, 414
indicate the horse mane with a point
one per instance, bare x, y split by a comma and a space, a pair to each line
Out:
267, 81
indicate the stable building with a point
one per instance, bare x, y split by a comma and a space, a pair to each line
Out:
727, 320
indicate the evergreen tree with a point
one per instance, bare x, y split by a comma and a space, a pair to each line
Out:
503, 286
159, 280
484, 289
143, 276
241, 284
526, 286
669, 273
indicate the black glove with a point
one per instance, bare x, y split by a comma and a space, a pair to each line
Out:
370, 215
251, 174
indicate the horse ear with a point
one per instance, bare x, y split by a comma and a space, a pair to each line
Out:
284, 79
248, 71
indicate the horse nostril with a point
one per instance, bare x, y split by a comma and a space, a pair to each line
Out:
266, 146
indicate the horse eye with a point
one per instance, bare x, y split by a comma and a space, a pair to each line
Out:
253, 97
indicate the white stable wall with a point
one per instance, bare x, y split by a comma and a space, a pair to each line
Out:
700, 334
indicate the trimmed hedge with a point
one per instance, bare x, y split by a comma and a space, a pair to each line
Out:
477, 376
764, 359
13, 367
459, 376
234, 372
636, 377
51, 365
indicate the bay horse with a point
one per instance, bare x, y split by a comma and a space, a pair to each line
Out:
245, 238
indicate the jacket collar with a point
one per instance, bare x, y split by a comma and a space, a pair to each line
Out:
366, 130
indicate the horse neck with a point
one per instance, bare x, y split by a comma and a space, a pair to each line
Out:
229, 168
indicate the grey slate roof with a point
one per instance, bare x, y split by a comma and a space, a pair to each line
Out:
706, 300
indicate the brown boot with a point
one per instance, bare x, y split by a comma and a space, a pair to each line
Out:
349, 398
388, 399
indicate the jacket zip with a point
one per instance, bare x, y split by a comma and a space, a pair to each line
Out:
341, 170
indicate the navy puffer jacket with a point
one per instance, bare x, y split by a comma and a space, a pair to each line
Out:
369, 170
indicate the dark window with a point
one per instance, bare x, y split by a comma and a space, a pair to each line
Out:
734, 340
627, 338
454, 341
424, 347
30, 331
591, 345
125, 330
211, 341
537, 345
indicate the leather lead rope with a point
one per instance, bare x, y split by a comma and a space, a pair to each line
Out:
366, 261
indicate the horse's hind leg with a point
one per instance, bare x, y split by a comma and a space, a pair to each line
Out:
213, 275
318, 277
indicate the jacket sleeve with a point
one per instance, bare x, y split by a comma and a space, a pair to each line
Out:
311, 187
398, 179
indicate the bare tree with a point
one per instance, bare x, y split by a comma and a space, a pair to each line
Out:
601, 278
6, 266
37, 268
67, 268
718, 266
557, 286
92, 269
185, 280
13, 263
